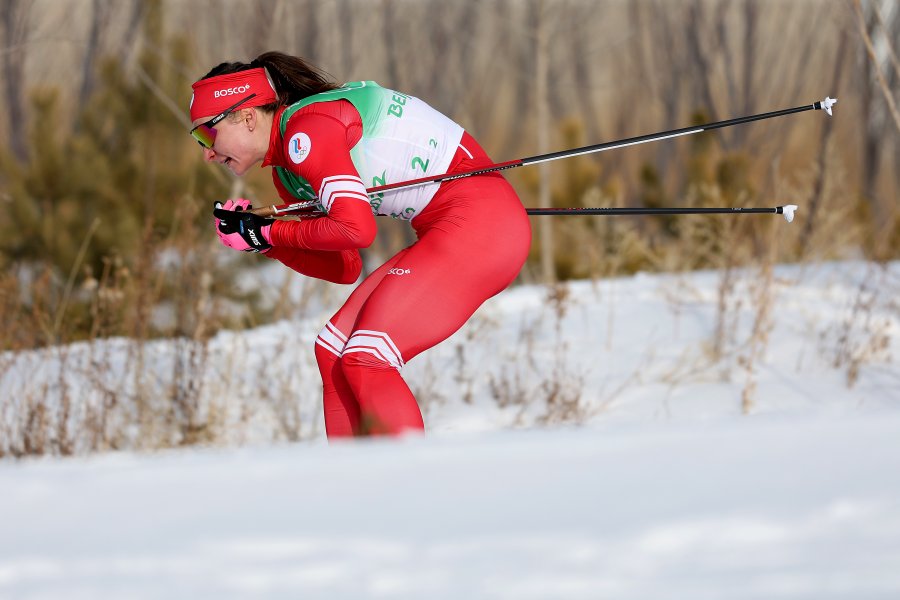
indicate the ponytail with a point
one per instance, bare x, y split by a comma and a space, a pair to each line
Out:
293, 77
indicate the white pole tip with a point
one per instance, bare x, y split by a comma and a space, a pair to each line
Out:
827, 103
789, 212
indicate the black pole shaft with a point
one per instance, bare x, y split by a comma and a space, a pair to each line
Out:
652, 211
672, 133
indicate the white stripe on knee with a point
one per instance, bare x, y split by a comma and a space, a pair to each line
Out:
331, 339
376, 343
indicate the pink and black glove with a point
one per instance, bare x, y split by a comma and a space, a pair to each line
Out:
240, 229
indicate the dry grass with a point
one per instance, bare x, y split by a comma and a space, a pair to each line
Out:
863, 336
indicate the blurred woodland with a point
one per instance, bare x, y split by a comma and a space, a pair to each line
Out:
106, 224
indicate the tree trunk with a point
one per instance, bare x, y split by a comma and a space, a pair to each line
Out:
15, 15
100, 10
542, 68
827, 131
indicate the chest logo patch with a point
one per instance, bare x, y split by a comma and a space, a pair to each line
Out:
299, 147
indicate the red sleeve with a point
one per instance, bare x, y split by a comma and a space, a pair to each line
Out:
336, 267
318, 149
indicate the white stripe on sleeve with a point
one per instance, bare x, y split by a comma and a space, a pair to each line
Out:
341, 186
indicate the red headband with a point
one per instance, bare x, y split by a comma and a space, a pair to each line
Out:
216, 94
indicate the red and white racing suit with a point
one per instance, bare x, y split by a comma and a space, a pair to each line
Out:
473, 237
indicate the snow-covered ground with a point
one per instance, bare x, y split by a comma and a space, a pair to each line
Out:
753, 508
668, 436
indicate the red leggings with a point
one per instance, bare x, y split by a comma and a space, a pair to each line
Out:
473, 239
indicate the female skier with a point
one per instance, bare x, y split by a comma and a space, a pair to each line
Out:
327, 143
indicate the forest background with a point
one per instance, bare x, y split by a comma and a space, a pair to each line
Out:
105, 201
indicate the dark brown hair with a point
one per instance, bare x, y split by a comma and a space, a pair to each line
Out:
294, 78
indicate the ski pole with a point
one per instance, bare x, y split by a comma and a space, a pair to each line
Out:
786, 210
826, 104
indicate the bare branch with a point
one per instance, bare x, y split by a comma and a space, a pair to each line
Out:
882, 84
